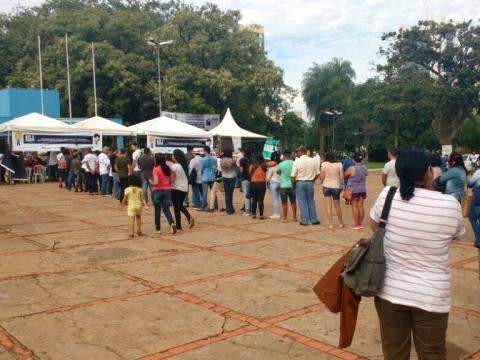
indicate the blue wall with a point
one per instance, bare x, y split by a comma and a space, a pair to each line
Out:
17, 102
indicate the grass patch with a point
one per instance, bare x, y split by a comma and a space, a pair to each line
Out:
375, 165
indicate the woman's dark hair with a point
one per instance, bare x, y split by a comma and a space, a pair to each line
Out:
358, 157
227, 153
258, 159
456, 160
330, 156
435, 161
180, 158
161, 160
411, 167
275, 157
135, 180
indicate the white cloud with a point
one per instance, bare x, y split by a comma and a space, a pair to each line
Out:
300, 32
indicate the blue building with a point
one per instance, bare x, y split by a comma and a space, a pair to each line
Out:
17, 102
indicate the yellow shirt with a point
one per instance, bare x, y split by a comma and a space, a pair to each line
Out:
134, 196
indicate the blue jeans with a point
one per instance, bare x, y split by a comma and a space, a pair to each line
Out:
206, 185
197, 195
274, 190
238, 180
145, 186
306, 202
104, 180
115, 185
91, 179
70, 179
246, 195
474, 215
52, 172
162, 200
229, 184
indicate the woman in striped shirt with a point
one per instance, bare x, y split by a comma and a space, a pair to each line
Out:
415, 298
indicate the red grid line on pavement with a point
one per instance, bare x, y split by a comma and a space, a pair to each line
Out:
463, 262
475, 356
13, 346
46, 273
469, 312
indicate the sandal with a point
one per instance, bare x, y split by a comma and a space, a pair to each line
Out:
173, 228
139, 233
192, 223
131, 236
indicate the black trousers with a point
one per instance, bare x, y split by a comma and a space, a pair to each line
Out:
257, 194
178, 197
123, 185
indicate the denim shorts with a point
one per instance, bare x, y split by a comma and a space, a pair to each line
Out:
333, 193
287, 193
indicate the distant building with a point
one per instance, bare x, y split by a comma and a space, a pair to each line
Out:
16, 102
258, 31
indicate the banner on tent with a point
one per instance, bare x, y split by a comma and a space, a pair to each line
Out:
271, 145
168, 144
26, 141
203, 121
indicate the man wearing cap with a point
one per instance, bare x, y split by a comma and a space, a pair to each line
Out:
304, 173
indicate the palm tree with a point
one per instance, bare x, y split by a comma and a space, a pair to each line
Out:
324, 88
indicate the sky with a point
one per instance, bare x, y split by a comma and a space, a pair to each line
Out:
299, 33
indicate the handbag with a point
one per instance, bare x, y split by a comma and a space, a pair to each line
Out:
348, 194
364, 271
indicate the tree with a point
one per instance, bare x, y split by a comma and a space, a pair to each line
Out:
325, 88
449, 54
212, 64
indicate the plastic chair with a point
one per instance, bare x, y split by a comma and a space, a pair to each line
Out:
38, 173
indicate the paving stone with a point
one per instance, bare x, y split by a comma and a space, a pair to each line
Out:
463, 331
256, 346
290, 249
5, 355
21, 297
124, 329
37, 228
465, 289
12, 243
320, 265
189, 266
264, 293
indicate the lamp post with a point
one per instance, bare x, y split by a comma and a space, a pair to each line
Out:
333, 113
68, 77
42, 104
157, 44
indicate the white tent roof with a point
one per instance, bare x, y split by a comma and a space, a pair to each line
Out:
228, 127
102, 125
35, 122
165, 126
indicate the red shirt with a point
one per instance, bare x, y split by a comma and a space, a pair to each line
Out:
164, 182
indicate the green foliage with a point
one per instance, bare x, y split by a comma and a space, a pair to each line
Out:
211, 65
327, 88
449, 55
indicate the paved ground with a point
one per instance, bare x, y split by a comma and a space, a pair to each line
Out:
73, 286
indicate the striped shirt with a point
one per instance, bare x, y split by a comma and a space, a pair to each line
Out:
416, 244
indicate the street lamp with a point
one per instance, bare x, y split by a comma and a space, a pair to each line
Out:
157, 44
333, 113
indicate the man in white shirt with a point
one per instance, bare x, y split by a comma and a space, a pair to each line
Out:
136, 153
389, 174
90, 163
304, 173
104, 170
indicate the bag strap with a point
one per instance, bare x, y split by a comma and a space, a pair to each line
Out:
387, 206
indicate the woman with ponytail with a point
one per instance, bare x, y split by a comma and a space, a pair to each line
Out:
415, 297
455, 178
180, 188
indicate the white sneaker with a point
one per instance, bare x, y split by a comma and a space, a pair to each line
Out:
246, 214
274, 216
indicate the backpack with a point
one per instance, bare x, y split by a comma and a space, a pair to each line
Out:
62, 163
192, 177
365, 268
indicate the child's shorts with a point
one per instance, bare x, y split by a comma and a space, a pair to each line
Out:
134, 210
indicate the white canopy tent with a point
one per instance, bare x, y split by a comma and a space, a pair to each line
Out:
104, 126
229, 128
168, 127
36, 122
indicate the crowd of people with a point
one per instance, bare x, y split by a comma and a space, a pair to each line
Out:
425, 216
